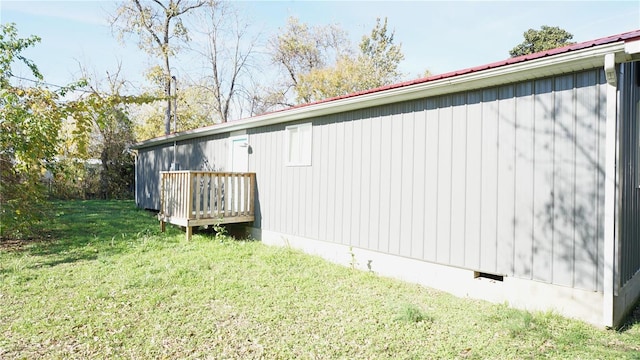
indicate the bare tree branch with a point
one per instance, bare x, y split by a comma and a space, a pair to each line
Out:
156, 28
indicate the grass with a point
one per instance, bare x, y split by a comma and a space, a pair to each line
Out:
108, 284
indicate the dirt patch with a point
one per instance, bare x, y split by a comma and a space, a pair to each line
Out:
14, 245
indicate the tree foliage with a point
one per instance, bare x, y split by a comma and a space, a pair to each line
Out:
30, 120
547, 38
112, 133
160, 29
347, 76
380, 56
375, 65
47, 132
195, 108
300, 50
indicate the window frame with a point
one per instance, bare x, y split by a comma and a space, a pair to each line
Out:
303, 157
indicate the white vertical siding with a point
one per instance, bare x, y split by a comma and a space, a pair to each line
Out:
385, 190
418, 203
543, 180
340, 182
366, 181
443, 226
587, 174
458, 180
563, 182
432, 141
601, 135
407, 155
473, 190
343, 201
507, 120
271, 144
315, 206
502, 180
279, 186
524, 180
323, 148
396, 182
489, 180
357, 184
375, 180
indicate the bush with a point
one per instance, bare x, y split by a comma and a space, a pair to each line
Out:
23, 203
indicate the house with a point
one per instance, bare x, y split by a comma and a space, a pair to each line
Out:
516, 181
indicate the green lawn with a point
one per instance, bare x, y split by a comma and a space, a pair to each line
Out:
105, 283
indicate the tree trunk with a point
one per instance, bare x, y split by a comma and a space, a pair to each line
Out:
167, 113
104, 174
167, 92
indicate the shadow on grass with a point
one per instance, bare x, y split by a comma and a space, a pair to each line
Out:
85, 230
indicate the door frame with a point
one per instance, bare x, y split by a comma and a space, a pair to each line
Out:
243, 138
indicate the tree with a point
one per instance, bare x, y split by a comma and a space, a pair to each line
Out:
376, 65
194, 109
300, 49
381, 56
228, 55
347, 76
156, 23
112, 132
547, 38
30, 120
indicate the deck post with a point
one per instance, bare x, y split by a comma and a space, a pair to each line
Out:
163, 226
189, 232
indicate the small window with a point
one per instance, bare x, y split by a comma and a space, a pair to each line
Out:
298, 145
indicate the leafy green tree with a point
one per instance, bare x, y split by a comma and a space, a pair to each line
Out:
195, 107
380, 56
45, 131
347, 76
376, 65
300, 49
547, 38
112, 134
30, 120
161, 30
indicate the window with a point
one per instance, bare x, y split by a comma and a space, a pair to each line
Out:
298, 145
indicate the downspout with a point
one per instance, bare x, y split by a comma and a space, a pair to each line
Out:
610, 193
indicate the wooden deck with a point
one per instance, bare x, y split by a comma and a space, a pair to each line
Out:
198, 198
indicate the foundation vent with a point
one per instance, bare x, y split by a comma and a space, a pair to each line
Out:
483, 275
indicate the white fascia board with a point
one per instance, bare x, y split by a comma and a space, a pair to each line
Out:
632, 49
547, 66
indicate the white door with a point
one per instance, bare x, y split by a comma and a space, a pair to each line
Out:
239, 157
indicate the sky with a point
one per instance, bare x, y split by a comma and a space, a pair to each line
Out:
438, 36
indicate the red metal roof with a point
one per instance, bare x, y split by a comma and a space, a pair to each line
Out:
628, 36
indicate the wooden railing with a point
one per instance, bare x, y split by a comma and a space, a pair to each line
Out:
193, 198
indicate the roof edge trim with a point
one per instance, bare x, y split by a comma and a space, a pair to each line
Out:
565, 62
